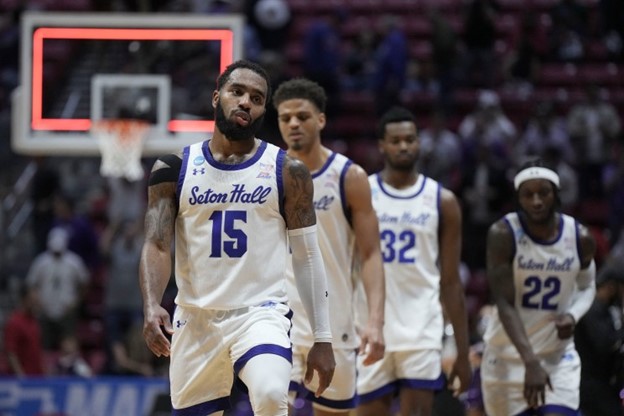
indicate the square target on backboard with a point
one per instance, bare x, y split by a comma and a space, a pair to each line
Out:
77, 68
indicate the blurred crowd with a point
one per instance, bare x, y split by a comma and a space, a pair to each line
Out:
473, 72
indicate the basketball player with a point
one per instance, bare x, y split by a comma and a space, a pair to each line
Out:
347, 225
420, 223
232, 202
541, 273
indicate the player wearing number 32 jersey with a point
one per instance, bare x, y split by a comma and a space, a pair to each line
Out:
419, 224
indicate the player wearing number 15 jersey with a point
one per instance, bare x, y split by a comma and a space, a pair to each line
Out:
420, 225
233, 203
541, 273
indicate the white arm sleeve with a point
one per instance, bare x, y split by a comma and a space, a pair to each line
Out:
311, 280
584, 297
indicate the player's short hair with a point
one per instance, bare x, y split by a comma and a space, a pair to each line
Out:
395, 114
301, 88
224, 77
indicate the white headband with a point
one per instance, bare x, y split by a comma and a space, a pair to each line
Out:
535, 172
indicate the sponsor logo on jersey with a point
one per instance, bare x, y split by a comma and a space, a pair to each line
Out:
266, 171
324, 203
199, 160
199, 171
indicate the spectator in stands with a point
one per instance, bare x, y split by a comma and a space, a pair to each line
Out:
489, 125
479, 38
391, 59
275, 65
83, 239
441, 152
569, 29
544, 129
121, 248
568, 178
593, 125
612, 24
521, 65
420, 78
251, 41
126, 199
272, 20
45, 184
613, 184
444, 55
60, 276
486, 194
22, 336
358, 63
70, 361
599, 339
322, 55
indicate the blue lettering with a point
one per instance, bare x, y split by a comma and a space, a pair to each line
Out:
419, 220
529, 264
207, 197
237, 195
80, 402
257, 196
126, 402
385, 218
555, 266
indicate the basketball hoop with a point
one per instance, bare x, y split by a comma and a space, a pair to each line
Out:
121, 143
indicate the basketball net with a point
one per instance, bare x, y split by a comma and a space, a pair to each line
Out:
121, 143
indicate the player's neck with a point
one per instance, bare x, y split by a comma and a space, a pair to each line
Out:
314, 158
545, 231
231, 151
399, 179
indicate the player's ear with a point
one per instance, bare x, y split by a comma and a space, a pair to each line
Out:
322, 120
215, 98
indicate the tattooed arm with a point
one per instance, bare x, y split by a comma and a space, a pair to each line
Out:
308, 268
155, 266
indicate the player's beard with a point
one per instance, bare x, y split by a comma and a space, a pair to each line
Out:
234, 131
542, 219
403, 165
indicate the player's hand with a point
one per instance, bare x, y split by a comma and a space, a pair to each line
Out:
536, 380
372, 344
320, 359
565, 325
156, 321
460, 377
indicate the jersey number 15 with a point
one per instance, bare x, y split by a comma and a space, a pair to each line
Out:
224, 224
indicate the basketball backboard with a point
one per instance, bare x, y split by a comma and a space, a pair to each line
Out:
77, 68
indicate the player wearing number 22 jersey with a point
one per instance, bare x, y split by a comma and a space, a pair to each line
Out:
541, 273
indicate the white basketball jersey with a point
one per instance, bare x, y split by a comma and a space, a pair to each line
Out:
337, 244
231, 244
545, 276
408, 223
